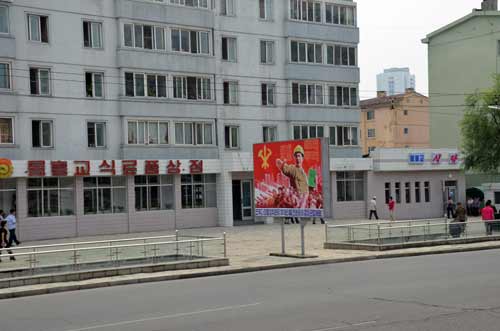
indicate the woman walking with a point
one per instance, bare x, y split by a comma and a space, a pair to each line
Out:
4, 239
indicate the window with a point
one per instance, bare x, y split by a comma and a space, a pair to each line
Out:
269, 133
408, 192
104, 195
303, 52
94, 84
370, 115
345, 96
345, 15
52, 196
398, 192
191, 133
188, 3
304, 10
191, 88
39, 81
145, 85
406, 131
332, 138
231, 137
265, 9
154, 193
268, 91
405, 112
41, 133
350, 186
347, 136
307, 94
340, 55
6, 131
8, 194
230, 93
497, 198
229, 49
387, 192
308, 131
4, 76
427, 191
227, 7
266, 52
92, 34
38, 28
198, 191
4, 19
147, 133
371, 133
371, 148
190, 41
417, 192
96, 134
144, 36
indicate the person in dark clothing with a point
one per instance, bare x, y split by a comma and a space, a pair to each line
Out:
4, 241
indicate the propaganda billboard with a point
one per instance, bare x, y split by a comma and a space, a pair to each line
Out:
291, 178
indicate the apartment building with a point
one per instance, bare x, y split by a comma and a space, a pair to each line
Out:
140, 115
397, 121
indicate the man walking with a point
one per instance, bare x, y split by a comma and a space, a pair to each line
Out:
488, 216
11, 225
392, 207
373, 208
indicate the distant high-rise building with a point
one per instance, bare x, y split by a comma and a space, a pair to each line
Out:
395, 81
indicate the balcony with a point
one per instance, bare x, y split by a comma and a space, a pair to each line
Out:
327, 32
326, 73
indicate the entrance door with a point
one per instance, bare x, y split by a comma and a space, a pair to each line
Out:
237, 212
450, 190
246, 200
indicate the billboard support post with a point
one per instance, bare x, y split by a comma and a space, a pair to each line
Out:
283, 236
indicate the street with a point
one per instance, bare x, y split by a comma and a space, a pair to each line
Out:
436, 292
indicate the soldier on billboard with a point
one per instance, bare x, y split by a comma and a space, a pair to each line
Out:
297, 175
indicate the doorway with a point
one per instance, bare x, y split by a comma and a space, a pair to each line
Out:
243, 201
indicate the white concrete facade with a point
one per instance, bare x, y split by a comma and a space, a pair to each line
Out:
395, 81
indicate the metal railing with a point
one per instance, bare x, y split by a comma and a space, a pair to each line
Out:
116, 252
408, 231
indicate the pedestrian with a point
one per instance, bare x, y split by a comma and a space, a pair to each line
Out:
373, 208
450, 208
11, 225
392, 208
321, 219
488, 216
470, 204
461, 216
4, 241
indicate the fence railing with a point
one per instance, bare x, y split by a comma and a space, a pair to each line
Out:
409, 231
118, 251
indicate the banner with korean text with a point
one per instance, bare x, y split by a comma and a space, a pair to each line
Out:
290, 178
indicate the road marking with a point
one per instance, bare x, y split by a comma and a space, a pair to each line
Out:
95, 327
347, 326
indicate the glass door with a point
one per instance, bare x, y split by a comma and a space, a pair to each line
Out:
246, 200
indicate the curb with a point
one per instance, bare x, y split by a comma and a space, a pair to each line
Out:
99, 283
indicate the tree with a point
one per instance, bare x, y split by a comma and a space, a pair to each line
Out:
481, 130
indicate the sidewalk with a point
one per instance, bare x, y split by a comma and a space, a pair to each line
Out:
248, 249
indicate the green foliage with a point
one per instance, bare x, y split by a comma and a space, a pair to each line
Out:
481, 130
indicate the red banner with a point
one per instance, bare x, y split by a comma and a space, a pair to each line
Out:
288, 178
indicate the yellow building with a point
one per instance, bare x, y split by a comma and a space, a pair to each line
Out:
397, 121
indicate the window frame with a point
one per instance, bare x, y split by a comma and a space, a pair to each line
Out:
268, 44
189, 49
372, 117
12, 129
267, 133
145, 76
206, 182
203, 88
104, 138
268, 5
39, 27
9, 76
304, 17
270, 88
372, 135
307, 88
307, 45
43, 188
228, 59
308, 128
94, 73
228, 137
351, 129
91, 23
230, 92
182, 3
39, 80
226, 12
338, 8
146, 134
194, 138
7, 18
98, 195
154, 44
164, 181
342, 178
41, 122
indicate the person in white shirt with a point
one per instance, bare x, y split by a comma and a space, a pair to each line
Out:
11, 225
373, 208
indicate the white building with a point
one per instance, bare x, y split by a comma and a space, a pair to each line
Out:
395, 81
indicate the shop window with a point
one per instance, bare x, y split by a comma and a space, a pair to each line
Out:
397, 187
7, 194
417, 192
427, 191
408, 192
154, 193
104, 195
350, 186
51, 197
198, 191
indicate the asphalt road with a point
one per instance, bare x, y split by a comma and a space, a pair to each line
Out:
438, 292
